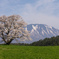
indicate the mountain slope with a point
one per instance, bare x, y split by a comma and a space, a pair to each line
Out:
41, 31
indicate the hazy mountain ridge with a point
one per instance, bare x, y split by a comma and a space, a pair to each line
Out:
41, 31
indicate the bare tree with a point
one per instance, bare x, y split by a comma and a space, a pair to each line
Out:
13, 27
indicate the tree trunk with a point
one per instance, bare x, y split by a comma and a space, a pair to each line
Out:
8, 42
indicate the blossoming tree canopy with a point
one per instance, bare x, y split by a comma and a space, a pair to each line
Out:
13, 27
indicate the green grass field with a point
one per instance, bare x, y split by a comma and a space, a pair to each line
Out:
29, 52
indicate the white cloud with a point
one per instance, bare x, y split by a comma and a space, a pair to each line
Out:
42, 2
42, 12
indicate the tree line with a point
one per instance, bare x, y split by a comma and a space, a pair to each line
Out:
53, 41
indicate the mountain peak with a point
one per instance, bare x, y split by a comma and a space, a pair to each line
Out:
41, 31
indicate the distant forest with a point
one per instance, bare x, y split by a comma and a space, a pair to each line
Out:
53, 41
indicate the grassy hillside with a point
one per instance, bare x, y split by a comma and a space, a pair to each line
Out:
29, 52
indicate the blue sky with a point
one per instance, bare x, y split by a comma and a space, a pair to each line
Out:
33, 11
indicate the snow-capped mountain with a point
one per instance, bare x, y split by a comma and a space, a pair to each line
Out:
41, 31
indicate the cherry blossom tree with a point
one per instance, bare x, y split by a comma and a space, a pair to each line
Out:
13, 27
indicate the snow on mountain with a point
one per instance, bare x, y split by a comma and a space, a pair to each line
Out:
41, 31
